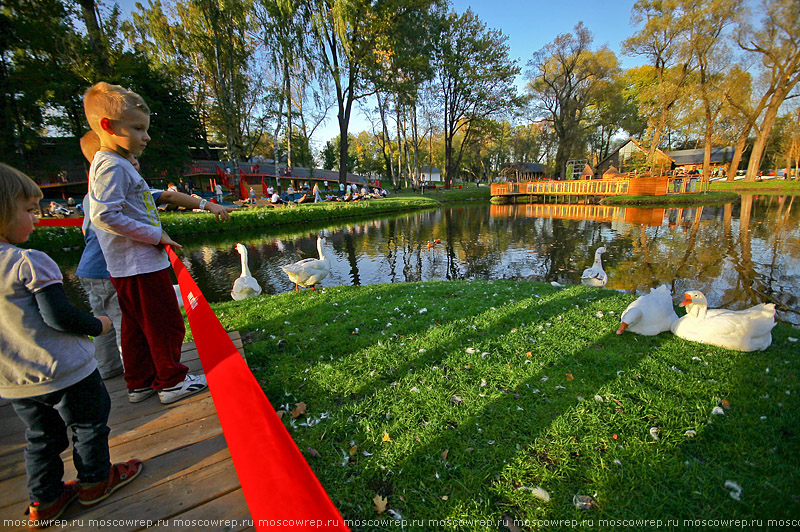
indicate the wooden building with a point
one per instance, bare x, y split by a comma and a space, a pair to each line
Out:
629, 156
523, 172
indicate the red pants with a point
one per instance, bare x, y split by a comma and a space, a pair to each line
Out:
152, 331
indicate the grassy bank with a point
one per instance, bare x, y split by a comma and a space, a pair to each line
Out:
676, 200
772, 186
178, 224
445, 195
460, 400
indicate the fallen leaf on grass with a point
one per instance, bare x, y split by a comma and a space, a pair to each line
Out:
280, 413
353, 450
299, 410
654, 433
570, 377
717, 411
380, 503
456, 399
529, 354
313, 452
386, 437
725, 404
444, 454
538, 492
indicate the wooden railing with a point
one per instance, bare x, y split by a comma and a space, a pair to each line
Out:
617, 186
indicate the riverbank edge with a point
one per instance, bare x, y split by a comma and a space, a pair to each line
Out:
50, 239
709, 198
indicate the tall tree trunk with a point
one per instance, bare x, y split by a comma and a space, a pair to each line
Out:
763, 135
88, 10
415, 137
737, 154
387, 143
288, 85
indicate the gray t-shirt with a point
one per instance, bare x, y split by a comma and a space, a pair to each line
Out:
35, 359
125, 215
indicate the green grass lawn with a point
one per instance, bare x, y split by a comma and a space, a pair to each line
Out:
463, 400
468, 191
771, 186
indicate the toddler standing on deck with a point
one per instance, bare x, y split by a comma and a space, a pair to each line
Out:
131, 237
47, 368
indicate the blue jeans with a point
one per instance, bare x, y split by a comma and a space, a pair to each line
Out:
84, 408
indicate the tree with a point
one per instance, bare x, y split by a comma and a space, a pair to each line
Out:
662, 39
778, 49
566, 78
476, 81
283, 23
706, 23
352, 38
174, 126
329, 155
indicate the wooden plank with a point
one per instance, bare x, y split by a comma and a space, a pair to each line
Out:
196, 408
144, 448
228, 512
156, 486
187, 464
12, 437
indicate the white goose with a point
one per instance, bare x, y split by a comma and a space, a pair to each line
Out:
741, 330
309, 272
595, 275
245, 285
650, 314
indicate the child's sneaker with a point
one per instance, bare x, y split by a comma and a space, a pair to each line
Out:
191, 385
41, 515
119, 475
140, 394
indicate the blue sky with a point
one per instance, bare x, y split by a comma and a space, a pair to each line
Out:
529, 25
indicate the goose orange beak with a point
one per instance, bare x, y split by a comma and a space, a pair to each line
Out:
687, 299
622, 327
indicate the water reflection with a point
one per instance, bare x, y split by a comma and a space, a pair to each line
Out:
738, 254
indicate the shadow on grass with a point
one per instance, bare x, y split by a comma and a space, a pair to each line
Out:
428, 394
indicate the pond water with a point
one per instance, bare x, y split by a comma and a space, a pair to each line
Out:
738, 254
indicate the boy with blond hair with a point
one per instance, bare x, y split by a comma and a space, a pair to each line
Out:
130, 235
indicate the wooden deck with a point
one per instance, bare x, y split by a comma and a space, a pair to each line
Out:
188, 481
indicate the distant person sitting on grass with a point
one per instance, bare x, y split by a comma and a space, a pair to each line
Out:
58, 210
276, 199
47, 368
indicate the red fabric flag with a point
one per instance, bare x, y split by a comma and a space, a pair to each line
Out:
60, 222
280, 488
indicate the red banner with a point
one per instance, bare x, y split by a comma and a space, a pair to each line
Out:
60, 222
280, 488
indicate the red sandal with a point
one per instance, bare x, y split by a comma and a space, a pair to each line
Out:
120, 474
42, 515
